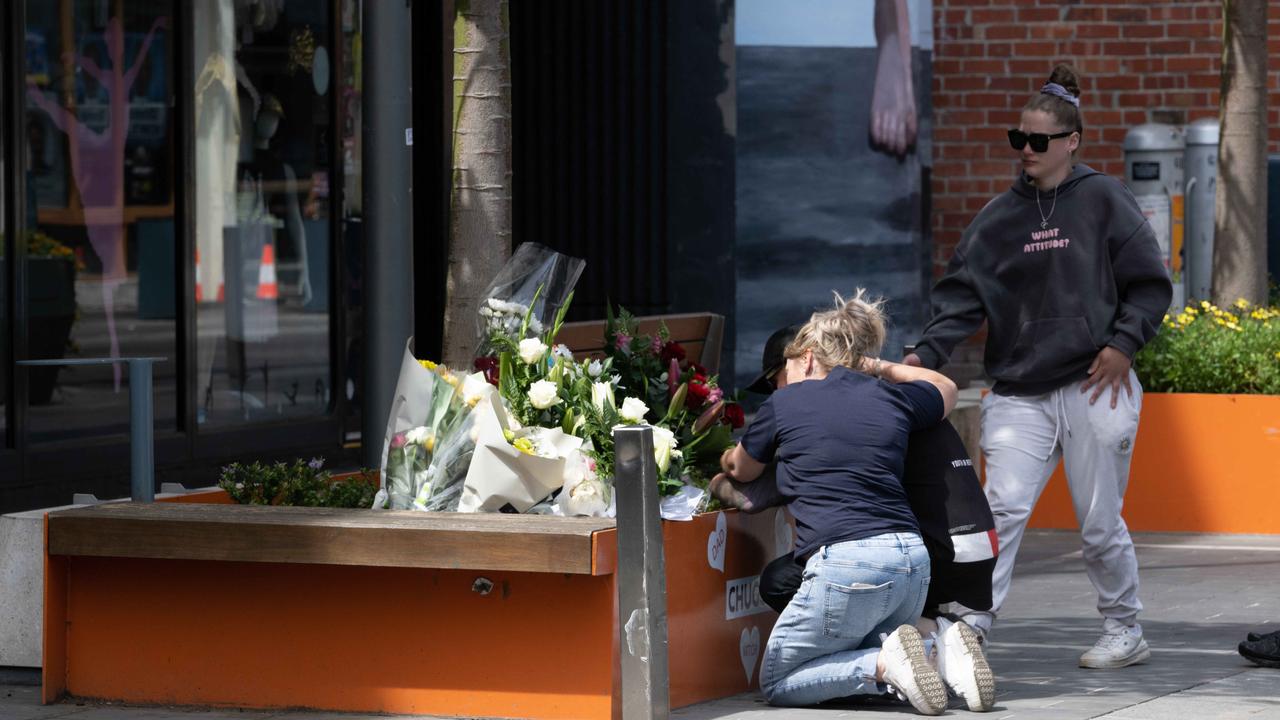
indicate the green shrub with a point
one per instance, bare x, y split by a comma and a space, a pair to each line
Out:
300, 483
1205, 349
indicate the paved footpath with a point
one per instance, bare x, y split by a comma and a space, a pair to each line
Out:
1202, 594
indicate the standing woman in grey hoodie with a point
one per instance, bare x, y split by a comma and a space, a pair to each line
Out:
1067, 273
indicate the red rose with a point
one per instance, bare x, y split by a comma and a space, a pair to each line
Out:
734, 417
672, 351
488, 366
698, 392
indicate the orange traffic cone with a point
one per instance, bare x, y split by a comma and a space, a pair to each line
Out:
268, 288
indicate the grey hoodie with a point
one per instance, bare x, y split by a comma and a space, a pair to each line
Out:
1052, 297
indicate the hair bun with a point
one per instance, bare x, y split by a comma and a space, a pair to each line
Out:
1065, 75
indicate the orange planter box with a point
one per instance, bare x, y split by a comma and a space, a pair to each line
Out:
1201, 463
403, 640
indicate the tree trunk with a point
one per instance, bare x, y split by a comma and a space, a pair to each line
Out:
480, 231
1240, 207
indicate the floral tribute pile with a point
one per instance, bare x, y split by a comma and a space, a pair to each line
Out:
531, 429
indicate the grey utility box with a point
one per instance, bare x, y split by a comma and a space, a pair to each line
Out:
1153, 156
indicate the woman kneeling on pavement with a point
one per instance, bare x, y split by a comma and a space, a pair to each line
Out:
839, 437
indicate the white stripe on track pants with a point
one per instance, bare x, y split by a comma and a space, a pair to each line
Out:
1022, 440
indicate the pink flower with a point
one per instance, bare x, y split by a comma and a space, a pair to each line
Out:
715, 396
397, 441
655, 345
622, 341
673, 377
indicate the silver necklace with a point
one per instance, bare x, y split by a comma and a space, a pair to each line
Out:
1044, 219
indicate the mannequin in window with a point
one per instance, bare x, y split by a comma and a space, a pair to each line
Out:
266, 164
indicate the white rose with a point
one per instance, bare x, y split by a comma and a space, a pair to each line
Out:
633, 410
601, 395
417, 435
594, 368
532, 350
543, 394
475, 388
664, 443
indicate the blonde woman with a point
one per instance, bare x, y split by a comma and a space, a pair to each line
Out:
839, 437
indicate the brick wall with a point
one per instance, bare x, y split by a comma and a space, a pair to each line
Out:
1139, 62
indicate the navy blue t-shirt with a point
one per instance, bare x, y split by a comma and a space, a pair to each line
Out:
840, 443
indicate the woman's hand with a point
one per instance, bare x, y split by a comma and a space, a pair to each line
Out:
740, 466
1110, 368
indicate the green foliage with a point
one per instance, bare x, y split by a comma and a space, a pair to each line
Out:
299, 483
1205, 349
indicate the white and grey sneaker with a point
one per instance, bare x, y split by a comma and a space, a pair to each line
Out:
907, 669
963, 666
1117, 649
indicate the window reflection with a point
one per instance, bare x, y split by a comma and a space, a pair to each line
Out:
100, 243
262, 118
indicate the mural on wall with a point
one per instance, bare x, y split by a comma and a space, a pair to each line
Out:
832, 163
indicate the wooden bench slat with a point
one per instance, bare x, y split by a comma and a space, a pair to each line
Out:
701, 334
245, 533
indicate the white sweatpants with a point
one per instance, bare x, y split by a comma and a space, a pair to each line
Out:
1022, 440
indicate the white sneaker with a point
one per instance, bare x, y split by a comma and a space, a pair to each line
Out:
963, 666
1117, 649
907, 669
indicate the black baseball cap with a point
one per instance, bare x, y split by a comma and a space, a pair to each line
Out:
772, 361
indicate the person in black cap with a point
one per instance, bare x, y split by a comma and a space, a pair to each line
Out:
955, 523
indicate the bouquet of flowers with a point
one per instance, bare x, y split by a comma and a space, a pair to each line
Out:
692, 407
535, 424
430, 404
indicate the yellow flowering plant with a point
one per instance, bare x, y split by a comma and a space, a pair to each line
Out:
1203, 348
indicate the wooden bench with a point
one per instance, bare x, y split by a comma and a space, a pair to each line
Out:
701, 335
385, 612
304, 535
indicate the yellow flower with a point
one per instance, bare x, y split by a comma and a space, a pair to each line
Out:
1191, 311
523, 445
1278, 355
427, 364
1242, 303
1166, 317
1205, 304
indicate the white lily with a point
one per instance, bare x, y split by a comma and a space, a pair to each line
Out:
602, 395
475, 388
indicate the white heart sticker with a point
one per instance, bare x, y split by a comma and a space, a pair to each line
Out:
783, 541
749, 649
716, 542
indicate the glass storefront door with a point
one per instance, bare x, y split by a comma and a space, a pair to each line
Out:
263, 157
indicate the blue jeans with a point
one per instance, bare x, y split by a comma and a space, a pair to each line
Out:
825, 644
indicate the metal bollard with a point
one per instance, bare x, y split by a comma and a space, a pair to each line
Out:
142, 474
642, 577
142, 452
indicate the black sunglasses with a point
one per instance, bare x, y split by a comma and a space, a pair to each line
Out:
1039, 141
